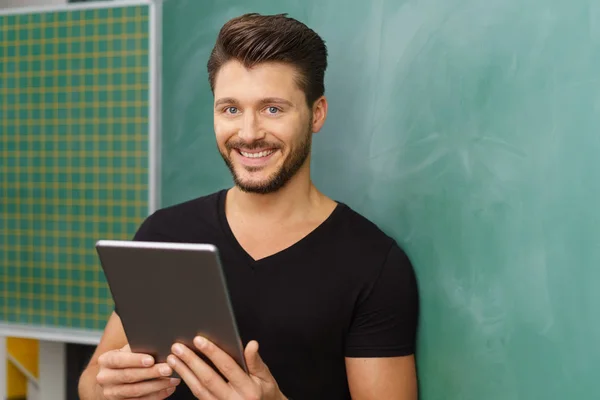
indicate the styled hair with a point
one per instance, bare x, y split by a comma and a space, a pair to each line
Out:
252, 39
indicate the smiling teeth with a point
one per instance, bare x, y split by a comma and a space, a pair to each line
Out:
257, 155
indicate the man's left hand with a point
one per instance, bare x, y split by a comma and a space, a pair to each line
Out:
206, 383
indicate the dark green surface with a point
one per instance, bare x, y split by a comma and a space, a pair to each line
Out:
73, 158
469, 131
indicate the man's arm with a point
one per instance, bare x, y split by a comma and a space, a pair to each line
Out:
392, 378
113, 338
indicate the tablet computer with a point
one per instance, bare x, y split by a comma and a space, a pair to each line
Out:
170, 292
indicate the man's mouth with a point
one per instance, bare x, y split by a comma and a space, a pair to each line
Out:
256, 154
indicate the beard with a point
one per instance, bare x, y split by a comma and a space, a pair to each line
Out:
279, 178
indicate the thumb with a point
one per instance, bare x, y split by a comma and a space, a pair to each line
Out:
256, 365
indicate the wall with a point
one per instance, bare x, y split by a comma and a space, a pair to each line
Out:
467, 130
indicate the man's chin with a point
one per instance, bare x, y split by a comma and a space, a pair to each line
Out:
254, 188
256, 185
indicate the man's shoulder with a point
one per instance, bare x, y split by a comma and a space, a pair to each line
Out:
180, 221
356, 227
361, 246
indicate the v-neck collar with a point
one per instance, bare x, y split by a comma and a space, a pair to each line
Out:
278, 257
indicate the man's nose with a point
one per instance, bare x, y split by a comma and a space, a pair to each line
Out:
250, 129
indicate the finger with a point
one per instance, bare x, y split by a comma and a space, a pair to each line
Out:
125, 359
140, 389
192, 380
108, 376
256, 365
224, 362
163, 394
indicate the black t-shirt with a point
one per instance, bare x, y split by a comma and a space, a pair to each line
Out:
344, 290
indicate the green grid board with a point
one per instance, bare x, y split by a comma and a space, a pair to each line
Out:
74, 88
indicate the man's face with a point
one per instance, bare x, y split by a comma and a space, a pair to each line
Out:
262, 123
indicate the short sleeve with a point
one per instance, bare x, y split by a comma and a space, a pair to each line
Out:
386, 317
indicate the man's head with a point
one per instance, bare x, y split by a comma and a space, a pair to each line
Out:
267, 77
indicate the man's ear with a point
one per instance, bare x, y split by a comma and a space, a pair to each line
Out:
319, 114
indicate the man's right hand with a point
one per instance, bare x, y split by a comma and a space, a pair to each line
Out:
127, 375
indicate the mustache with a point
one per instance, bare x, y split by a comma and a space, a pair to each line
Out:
259, 144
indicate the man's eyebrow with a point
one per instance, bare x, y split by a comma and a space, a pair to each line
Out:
225, 100
276, 100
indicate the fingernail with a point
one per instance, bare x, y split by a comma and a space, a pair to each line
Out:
165, 371
174, 381
170, 391
147, 361
177, 349
200, 341
171, 361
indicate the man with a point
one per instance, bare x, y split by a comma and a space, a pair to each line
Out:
331, 300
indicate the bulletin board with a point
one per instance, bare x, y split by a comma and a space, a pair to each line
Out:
75, 90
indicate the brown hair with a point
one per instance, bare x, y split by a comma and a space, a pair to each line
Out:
253, 38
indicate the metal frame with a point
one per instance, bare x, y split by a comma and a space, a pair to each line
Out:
79, 336
155, 104
74, 6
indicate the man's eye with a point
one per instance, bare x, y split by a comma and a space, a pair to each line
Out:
273, 110
231, 110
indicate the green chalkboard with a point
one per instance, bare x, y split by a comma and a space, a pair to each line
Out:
74, 89
469, 130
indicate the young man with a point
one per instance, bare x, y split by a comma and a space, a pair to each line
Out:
330, 298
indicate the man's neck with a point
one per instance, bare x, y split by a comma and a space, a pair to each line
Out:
296, 200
